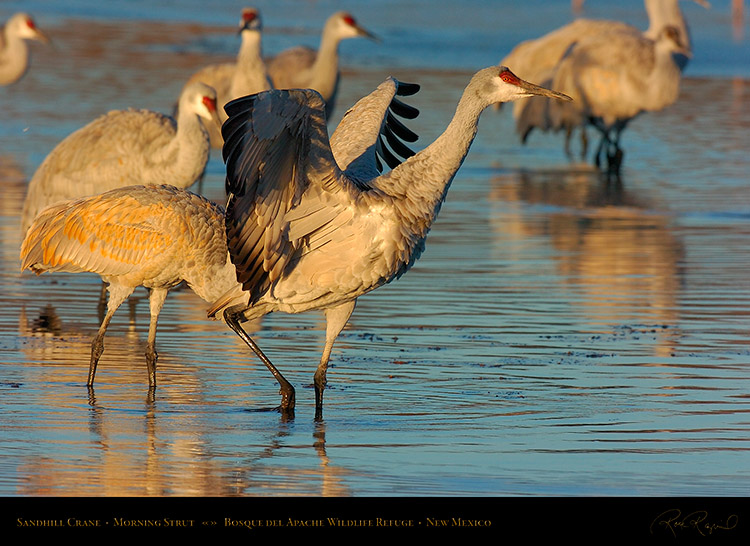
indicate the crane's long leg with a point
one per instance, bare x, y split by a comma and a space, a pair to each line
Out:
336, 319
117, 295
155, 301
615, 156
286, 389
102, 305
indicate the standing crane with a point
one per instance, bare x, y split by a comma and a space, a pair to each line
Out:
311, 222
302, 67
306, 232
613, 78
14, 51
537, 59
126, 147
245, 76
151, 236
158, 236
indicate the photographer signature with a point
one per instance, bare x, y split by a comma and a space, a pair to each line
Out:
674, 521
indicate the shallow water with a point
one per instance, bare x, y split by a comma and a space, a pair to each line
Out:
560, 335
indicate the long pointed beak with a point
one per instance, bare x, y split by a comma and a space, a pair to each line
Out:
215, 119
534, 89
366, 33
42, 37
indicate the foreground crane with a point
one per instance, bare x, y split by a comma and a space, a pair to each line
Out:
310, 224
307, 229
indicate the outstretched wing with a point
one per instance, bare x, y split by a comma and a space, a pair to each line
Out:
283, 184
359, 141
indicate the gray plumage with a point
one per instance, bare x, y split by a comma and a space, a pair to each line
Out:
308, 228
302, 67
156, 237
613, 78
245, 76
538, 59
14, 51
126, 147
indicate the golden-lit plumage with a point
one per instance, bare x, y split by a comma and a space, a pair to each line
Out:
151, 236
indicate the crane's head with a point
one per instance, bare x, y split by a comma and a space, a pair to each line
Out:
343, 25
502, 85
200, 99
250, 20
23, 26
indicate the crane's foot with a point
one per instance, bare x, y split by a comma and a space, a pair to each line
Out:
287, 396
286, 408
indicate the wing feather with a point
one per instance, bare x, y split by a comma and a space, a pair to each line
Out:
276, 148
92, 235
357, 141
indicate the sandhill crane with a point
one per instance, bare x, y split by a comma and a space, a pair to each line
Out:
245, 76
537, 59
14, 51
304, 234
614, 77
304, 68
152, 236
126, 147
157, 236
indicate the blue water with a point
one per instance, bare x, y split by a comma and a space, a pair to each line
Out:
558, 337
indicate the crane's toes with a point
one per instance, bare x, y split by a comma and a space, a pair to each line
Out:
287, 397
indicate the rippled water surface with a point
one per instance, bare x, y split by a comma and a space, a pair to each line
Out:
559, 336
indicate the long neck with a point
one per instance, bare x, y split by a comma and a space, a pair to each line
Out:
250, 74
326, 67
663, 83
186, 155
662, 13
420, 183
14, 58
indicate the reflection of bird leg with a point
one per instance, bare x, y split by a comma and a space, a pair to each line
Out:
584, 143
568, 134
286, 389
603, 143
336, 319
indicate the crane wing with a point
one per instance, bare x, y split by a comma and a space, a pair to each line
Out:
359, 141
283, 184
108, 234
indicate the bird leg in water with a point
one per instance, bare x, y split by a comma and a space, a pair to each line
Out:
336, 319
286, 390
155, 301
117, 295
